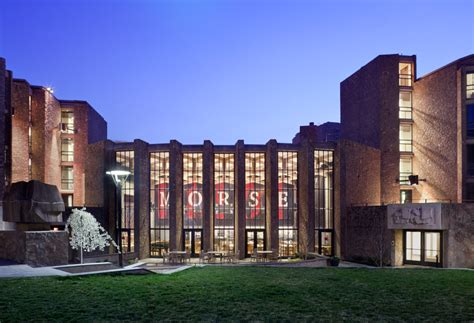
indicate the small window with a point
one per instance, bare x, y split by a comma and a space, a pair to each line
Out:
405, 196
67, 178
405, 74
470, 86
67, 150
405, 104
67, 122
406, 138
406, 169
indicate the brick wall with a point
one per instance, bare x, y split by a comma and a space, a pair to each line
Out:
2, 125
20, 123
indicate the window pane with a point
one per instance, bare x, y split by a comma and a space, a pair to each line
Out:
67, 150
406, 169
405, 74
67, 178
159, 203
432, 246
323, 188
470, 120
67, 122
405, 104
125, 159
287, 202
255, 190
192, 191
224, 202
406, 144
413, 245
470, 85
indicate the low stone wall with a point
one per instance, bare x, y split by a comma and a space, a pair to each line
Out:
459, 239
35, 248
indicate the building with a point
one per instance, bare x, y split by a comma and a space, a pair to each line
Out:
57, 134
406, 140
326, 132
226, 198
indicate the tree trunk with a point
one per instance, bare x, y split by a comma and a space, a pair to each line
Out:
82, 258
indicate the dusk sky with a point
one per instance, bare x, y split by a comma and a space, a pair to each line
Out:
220, 70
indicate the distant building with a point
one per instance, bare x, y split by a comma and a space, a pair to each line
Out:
326, 132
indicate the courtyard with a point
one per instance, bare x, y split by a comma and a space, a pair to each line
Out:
219, 293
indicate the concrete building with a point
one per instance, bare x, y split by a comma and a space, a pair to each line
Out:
406, 140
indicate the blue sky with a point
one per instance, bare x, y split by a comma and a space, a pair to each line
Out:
220, 70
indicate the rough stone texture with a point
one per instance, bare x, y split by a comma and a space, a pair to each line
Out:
208, 196
142, 199
21, 92
35, 248
271, 195
368, 238
459, 239
305, 202
176, 195
95, 174
435, 135
240, 211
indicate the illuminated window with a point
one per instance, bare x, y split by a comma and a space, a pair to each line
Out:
67, 121
287, 202
405, 104
324, 200
406, 138
406, 169
192, 191
125, 159
405, 74
470, 85
405, 196
159, 203
67, 150
422, 247
255, 190
67, 178
224, 202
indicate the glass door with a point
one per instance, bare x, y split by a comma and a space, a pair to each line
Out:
193, 242
255, 239
423, 248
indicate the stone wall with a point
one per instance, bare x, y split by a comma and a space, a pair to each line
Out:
35, 248
20, 123
459, 239
368, 239
2, 124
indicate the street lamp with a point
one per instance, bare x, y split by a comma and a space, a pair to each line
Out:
119, 175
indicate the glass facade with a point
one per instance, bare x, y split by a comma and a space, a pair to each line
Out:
255, 190
125, 159
287, 203
422, 247
67, 150
159, 203
324, 200
67, 178
192, 191
224, 205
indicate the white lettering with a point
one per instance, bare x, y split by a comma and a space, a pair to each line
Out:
195, 201
164, 199
253, 199
223, 198
282, 199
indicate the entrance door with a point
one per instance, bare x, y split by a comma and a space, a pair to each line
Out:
254, 239
422, 248
192, 242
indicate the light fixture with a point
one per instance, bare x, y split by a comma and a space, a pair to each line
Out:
119, 175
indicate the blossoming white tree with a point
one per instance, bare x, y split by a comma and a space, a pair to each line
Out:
87, 234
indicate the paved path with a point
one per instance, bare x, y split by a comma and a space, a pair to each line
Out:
18, 271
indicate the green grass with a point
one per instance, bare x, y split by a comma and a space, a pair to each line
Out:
245, 293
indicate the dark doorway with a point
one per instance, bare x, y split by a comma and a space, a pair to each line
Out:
254, 239
193, 242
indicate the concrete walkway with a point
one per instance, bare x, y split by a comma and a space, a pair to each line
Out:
19, 271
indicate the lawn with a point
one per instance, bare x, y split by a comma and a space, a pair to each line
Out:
245, 293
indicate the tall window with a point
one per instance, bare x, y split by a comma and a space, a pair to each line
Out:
192, 191
287, 202
405, 104
405, 74
470, 120
159, 203
470, 86
406, 169
224, 202
125, 159
323, 201
255, 190
67, 178
67, 149
406, 138
67, 121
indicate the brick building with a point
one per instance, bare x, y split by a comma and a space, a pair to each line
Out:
407, 140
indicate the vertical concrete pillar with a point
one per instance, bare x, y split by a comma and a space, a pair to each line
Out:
142, 199
271, 194
176, 195
306, 219
208, 195
239, 198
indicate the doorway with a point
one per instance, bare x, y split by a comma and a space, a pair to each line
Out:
193, 242
254, 239
422, 248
